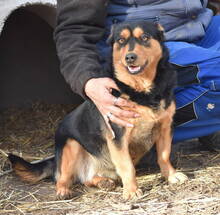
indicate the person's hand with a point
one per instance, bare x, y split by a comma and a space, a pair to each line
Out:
99, 91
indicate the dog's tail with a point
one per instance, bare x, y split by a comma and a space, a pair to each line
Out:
32, 172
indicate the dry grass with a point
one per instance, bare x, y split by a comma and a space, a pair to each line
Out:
29, 133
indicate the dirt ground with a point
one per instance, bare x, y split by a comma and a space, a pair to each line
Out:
30, 134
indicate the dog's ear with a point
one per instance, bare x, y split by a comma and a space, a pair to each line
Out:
110, 39
160, 32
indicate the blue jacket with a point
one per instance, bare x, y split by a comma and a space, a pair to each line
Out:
183, 20
178, 17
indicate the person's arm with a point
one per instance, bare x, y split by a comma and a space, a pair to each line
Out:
80, 25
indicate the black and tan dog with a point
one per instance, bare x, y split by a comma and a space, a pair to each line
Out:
85, 149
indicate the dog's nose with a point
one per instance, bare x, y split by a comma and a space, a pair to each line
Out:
131, 58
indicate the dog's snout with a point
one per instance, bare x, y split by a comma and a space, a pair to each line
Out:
131, 58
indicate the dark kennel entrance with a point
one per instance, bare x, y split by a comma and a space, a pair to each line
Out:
29, 65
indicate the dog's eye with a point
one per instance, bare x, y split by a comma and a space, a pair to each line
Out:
145, 37
121, 40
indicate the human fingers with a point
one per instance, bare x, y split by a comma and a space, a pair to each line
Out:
119, 121
117, 101
111, 84
118, 112
109, 116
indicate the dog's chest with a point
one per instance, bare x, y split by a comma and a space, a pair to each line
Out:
146, 129
143, 131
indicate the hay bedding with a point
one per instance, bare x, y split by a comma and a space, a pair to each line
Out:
30, 133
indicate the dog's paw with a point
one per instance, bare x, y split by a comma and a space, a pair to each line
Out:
106, 184
177, 177
128, 194
64, 193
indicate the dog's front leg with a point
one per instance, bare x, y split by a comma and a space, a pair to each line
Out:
163, 145
125, 168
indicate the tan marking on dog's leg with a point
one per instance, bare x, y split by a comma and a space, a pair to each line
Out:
124, 166
163, 145
103, 183
70, 155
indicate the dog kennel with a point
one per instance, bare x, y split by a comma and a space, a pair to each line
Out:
28, 62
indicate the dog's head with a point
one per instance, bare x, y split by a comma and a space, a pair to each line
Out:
137, 49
